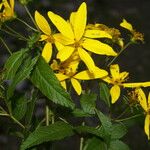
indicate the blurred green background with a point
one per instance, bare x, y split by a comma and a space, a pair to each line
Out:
136, 59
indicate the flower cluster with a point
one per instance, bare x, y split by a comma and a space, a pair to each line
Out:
75, 43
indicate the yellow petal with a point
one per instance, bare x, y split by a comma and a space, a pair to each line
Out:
43, 37
59, 46
149, 100
87, 59
61, 77
62, 39
98, 47
87, 75
139, 84
97, 34
42, 23
123, 75
65, 53
142, 98
147, 125
107, 79
115, 93
80, 19
47, 52
12, 4
76, 85
72, 18
63, 84
126, 25
63, 26
115, 71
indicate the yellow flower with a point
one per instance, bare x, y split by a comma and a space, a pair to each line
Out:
118, 79
145, 104
72, 36
6, 10
68, 70
136, 36
46, 36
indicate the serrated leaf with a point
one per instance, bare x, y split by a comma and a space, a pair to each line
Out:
22, 74
13, 63
118, 131
95, 144
19, 107
87, 130
45, 80
53, 132
104, 93
118, 145
87, 102
105, 121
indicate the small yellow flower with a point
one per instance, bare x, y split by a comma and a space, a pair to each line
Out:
46, 36
74, 36
118, 79
68, 70
145, 104
6, 10
136, 36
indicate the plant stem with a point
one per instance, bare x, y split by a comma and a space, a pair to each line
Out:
125, 119
27, 25
16, 33
47, 115
124, 112
17, 122
9, 51
82, 139
119, 53
28, 12
14, 119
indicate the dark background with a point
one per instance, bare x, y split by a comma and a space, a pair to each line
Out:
136, 59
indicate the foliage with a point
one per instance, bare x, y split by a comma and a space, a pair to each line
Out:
58, 66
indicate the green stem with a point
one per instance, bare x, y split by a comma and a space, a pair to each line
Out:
9, 51
125, 119
27, 24
16, 33
81, 143
47, 115
14, 119
82, 139
17, 122
124, 112
119, 53
28, 12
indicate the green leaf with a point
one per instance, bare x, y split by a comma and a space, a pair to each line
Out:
53, 132
118, 145
80, 113
106, 122
45, 80
22, 74
13, 63
95, 144
87, 129
118, 131
87, 102
20, 107
104, 93
31, 106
